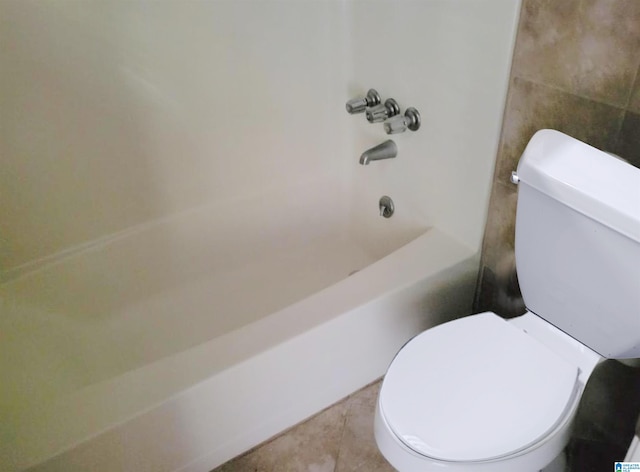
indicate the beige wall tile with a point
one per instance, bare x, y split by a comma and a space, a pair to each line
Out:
628, 145
498, 289
576, 69
587, 47
532, 107
500, 233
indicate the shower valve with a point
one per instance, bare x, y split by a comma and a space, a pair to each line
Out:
358, 105
380, 113
399, 124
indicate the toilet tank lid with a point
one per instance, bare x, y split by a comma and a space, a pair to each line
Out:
590, 181
476, 389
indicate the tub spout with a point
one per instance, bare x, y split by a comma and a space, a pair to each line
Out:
386, 150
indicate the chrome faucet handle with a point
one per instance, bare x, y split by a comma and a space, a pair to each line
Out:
399, 124
358, 105
380, 113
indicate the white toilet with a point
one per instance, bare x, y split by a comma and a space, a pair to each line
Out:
483, 393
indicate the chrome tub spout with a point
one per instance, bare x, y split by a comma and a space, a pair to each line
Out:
386, 150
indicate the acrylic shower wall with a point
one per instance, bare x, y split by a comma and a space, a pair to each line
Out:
447, 59
119, 113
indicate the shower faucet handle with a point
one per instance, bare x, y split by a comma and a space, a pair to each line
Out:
358, 105
399, 124
380, 113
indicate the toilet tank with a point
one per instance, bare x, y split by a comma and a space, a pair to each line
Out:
578, 242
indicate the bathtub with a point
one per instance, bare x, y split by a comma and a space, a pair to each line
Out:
178, 344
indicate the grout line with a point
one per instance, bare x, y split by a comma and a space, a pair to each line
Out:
344, 428
623, 109
567, 92
633, 84
616, 136
347, 416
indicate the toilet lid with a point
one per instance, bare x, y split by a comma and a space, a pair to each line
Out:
475, 389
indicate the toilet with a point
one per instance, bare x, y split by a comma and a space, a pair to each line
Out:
482, 393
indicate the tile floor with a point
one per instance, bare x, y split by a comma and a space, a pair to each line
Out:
339, 439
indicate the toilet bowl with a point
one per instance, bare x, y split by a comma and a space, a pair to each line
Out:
485, 394
456, 401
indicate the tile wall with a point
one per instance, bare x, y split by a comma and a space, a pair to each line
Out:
575, 69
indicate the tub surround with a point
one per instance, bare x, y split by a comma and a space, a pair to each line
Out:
123, 113
183, 205
184, 105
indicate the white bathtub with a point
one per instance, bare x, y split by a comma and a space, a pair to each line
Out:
181, 343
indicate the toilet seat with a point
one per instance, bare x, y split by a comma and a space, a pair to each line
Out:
452, 384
